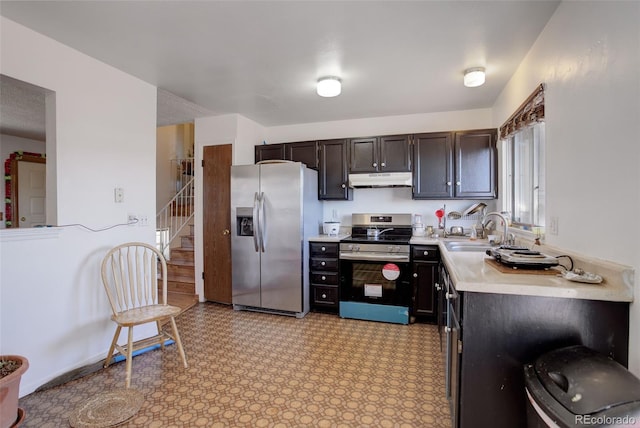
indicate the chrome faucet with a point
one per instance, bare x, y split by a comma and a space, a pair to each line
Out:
507, 238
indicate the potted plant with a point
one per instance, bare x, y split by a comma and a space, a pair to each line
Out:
12, 367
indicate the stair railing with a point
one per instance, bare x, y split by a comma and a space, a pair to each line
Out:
179, 210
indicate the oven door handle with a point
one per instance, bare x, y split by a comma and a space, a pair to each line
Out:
374, 257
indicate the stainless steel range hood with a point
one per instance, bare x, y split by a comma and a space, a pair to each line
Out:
381, 179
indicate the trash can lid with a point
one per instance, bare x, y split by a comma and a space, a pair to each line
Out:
586, 382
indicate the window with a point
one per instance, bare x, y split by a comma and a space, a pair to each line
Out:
523, 146
524, 172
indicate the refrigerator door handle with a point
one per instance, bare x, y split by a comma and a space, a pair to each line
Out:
263, 223
256, 222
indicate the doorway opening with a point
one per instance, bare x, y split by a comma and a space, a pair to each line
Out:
27, 135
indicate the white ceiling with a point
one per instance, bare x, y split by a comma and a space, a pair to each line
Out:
261, 59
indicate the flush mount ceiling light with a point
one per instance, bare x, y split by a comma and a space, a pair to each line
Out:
329, 87
473, 77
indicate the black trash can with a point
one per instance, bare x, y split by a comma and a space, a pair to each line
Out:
579, 387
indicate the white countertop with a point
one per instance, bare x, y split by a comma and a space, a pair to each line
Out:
470, 272
328, 238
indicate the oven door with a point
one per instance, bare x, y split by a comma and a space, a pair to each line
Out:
379, 282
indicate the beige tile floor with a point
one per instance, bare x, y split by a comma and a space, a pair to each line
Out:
249, 369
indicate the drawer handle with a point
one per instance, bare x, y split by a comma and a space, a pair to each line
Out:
323, 249
415, 275
322, 263
324, 278
426, 253
447, 329
449, 296
324, 296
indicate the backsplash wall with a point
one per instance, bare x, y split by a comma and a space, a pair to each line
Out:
396, 200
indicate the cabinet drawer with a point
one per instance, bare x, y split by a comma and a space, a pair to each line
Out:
328, 249
330, 265
325, 295
425, 252
324, 278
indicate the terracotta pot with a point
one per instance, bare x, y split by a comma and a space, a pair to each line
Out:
9, 389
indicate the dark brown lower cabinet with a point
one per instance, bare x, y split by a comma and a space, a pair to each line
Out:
425, 260
323, 275
501, 332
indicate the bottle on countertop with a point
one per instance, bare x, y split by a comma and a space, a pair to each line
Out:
473, 235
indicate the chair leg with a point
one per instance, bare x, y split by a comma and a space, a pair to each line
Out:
112, 347
159, 324
129, 356
176, 337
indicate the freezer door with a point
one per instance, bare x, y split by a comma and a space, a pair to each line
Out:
245, 257
282, 237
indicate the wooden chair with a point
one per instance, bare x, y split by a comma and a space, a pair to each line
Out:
130, 277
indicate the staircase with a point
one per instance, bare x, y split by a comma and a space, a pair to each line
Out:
171, 221
181, 277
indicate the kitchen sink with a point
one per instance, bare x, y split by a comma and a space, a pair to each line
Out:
467, 246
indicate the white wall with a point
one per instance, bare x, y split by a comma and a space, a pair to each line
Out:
589, 57
10, 144
51, 298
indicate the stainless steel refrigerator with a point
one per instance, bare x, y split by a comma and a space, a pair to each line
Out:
274, 211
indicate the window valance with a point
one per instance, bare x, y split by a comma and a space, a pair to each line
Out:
529, 112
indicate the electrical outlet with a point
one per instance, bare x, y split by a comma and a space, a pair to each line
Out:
553, 225
143, 221
132, 219
118, 194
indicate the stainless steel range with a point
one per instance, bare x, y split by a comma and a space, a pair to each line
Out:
375, 273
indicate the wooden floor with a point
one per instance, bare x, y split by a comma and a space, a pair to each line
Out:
182, 300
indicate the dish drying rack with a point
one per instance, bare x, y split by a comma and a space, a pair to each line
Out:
454, 215
474, 212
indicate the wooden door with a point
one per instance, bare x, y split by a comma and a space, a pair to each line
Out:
30, 199
217, 223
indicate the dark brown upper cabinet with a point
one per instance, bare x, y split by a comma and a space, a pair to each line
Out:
390, 153
305, 152
269, 152
475, 158
333, 170
433, 166
455, 165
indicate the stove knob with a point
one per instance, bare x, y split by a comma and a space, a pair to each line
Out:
397, 248
390, 249
357, 248
350, 247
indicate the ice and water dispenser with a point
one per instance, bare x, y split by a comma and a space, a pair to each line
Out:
244, 221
